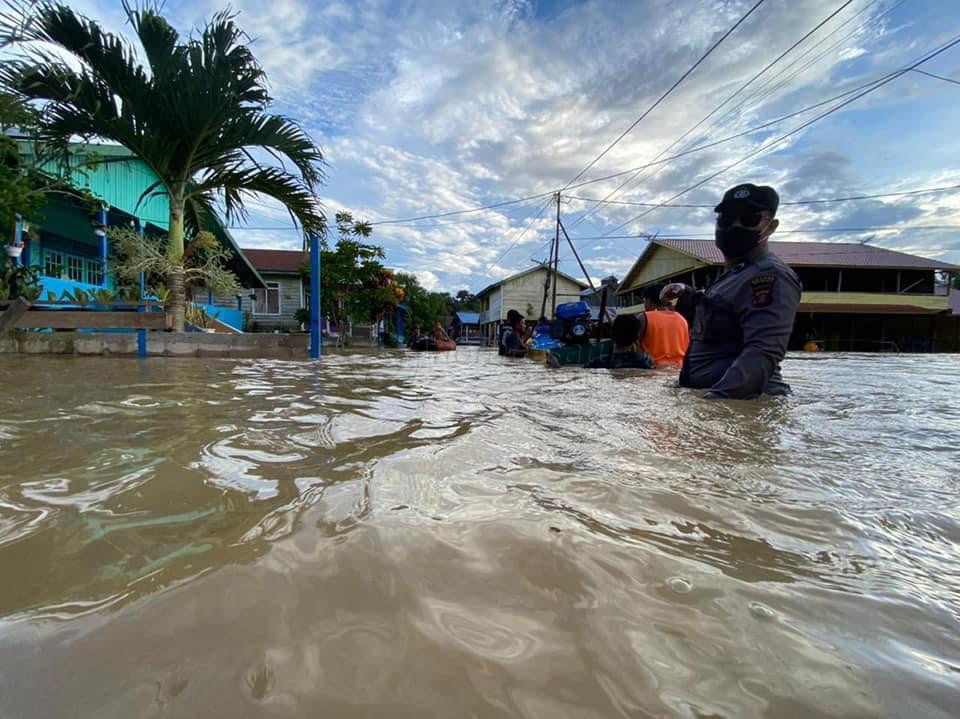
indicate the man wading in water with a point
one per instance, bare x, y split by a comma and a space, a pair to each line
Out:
743, 322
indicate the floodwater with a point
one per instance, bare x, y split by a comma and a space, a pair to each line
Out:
461, 535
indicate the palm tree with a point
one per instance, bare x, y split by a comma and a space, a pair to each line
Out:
196, 112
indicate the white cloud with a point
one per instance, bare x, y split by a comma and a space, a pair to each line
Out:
428, 280
453, 104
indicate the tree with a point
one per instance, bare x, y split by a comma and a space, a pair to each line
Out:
425, 307
20, 185
466, 302
353, 280
196, 114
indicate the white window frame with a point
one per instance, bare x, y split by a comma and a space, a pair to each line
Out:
56, 259
93, 271
78, 264
271, 287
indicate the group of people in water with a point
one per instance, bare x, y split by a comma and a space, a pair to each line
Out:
437, 339
657, 337
729, 339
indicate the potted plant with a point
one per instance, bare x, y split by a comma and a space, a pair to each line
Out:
302, 316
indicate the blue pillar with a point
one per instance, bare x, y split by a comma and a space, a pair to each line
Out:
141, 333
143, 277
17, 238
103, 247
400, 336
315, 338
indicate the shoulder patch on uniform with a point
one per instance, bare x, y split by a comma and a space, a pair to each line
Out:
762, 287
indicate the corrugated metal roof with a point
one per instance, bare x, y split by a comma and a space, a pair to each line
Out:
819, 254
276, 260
469, 318
115, 175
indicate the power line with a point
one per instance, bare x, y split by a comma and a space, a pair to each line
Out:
729, 138
717, 109
803, 231
525, 230
795, 202
873, 84
765, 91
664, 95
850, 198
766, 146
684, 153
463, 212
939, 77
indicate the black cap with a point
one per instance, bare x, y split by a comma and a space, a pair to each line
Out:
513, 316
762, 197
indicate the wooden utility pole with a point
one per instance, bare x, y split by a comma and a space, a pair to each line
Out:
556, 261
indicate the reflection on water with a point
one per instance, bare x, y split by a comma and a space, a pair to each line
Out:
409, 535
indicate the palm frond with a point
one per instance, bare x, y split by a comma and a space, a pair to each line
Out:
275, 134
236, 184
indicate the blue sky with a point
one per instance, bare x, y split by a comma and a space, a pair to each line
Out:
426, 107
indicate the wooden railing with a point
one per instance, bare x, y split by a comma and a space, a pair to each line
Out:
60, 315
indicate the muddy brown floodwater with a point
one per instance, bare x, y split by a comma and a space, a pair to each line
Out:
460, 535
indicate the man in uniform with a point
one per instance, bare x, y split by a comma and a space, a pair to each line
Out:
744, 320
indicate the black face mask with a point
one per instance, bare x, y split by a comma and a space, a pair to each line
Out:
736, 241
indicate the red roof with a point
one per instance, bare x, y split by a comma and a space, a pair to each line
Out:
818, 254
276, 260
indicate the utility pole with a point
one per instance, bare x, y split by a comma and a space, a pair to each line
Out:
556, 261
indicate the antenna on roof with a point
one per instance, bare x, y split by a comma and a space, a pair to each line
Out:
866, 241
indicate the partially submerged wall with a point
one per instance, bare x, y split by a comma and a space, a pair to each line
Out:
162, 344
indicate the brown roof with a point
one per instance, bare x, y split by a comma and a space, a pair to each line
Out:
277, 260
819, 254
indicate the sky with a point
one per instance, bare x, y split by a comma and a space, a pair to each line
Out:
430, 107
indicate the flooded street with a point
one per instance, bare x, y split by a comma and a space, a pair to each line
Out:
460, 535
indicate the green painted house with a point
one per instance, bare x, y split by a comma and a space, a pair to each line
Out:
67, 242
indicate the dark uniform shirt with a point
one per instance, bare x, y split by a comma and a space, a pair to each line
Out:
741, 329
622, 360
510, 342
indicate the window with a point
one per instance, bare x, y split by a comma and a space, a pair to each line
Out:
267, 301
94, 272
52, 263
74, 268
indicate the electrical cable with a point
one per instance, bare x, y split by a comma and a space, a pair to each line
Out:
794, 202
837, 230
717, 109
766, 146
939, 77
665, 94
525, 230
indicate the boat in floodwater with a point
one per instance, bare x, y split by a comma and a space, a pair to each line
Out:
429, 344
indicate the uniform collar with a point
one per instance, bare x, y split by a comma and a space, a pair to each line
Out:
754, 255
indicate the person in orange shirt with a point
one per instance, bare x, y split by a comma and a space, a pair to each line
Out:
665, 333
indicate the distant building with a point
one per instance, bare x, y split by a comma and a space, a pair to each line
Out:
594, 297
274, 306
855, 297
467, 326
523, 292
